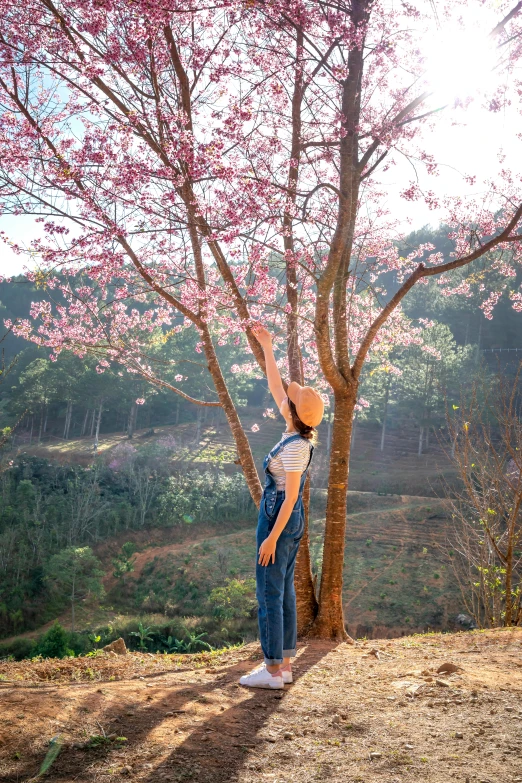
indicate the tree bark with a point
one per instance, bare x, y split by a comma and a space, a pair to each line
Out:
421, 438
304, 581
98, 422
67, 425
41, 424
329, 433
329, 622
384, 415
354, 433
84, 425
73, 598
133, 415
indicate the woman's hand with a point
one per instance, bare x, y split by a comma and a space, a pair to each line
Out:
263, 335
267, 551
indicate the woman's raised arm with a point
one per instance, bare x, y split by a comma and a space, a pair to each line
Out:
275, 383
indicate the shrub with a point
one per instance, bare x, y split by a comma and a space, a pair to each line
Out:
196, 497
54, 643
19, 649
233, 600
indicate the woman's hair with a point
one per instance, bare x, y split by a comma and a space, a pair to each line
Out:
310, 433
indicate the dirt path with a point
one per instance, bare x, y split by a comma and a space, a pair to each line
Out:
351, 715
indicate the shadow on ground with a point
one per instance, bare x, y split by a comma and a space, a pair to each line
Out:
207, 749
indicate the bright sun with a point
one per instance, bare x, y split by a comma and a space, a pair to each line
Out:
460, 64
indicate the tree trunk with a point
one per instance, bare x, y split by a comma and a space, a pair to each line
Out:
421, 437
384, 415
73, 598
329, 433
508, 614
31, 433
133, 415
41, 424
93, 418
329, 623
354, 432
68, 415
306, 599
84, 425
45, 418
98, 422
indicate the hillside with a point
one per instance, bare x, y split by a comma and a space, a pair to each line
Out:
398, 469
397, 579
360, 713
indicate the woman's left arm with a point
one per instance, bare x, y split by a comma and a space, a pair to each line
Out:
267, 550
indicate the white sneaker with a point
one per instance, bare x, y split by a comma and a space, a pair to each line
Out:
287, 675
261, 678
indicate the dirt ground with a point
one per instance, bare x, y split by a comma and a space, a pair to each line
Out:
355, 713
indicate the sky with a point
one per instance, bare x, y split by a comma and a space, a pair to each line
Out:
466, 140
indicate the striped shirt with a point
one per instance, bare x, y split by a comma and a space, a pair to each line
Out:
293, 457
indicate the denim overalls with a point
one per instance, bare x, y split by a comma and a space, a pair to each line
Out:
275, 582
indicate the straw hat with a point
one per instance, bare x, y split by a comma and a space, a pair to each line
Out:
308, 403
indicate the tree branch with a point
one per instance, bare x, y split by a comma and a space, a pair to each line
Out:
423, 271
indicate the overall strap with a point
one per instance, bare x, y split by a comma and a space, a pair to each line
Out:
275, 451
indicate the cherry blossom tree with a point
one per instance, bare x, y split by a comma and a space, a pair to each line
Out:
206, 167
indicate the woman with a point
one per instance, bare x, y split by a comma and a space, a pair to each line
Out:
281, 523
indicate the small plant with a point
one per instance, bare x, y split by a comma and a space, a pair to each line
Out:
102, 740
368, 542
124, 562
436, 575
94, 639
143, 635
195, 643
